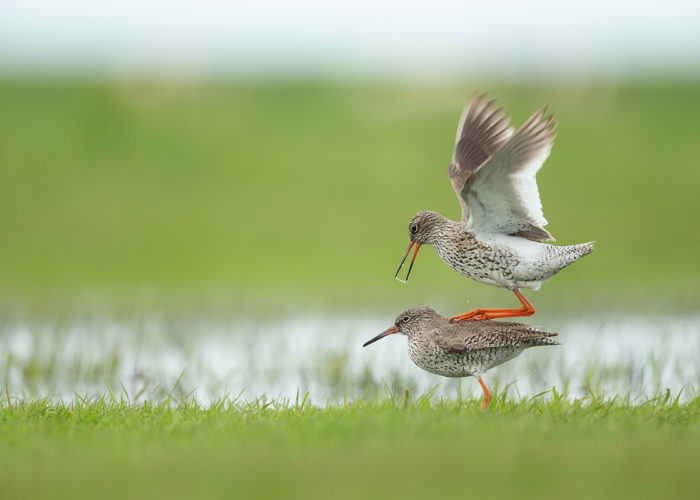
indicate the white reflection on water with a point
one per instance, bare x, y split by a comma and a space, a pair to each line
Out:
323, 355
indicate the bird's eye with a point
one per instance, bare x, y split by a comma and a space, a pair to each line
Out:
405, 319
413, 228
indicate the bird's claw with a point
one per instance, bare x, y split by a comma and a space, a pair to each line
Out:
477, 316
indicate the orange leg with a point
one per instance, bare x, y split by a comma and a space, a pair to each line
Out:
486, 314
487, 395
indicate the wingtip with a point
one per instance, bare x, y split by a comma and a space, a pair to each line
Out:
478, 95
539, 113
541, 126
480, 99
473, 99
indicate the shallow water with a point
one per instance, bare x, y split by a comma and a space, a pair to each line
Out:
148, 358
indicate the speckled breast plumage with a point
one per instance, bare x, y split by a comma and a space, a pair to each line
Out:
477, 260
502, 265
432, 358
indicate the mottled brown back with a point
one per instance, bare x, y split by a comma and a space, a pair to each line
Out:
474, 335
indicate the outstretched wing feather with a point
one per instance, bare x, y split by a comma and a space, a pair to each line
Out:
501, 195
483, 129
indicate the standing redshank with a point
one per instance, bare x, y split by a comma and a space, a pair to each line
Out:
462, 349
499, 239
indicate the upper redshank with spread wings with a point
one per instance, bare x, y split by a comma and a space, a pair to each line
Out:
499, 240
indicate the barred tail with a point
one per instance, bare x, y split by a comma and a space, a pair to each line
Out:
559, 257
546, 341
575, 252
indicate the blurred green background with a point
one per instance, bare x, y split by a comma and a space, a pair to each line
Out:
300, 193
257, 158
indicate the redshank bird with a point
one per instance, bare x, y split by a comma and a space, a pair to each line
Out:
462, 349
499, 240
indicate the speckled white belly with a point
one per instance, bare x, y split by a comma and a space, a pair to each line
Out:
436, 360
502, 261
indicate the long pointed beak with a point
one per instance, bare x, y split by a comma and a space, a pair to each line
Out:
415, 252
386, 332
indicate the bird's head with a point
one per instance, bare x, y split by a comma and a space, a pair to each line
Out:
423, 229
409, 322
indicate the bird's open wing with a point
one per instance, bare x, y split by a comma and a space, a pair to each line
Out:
496, 334
483, 129
502, 195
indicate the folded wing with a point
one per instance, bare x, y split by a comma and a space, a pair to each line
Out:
501, 196
495, 335
483, 129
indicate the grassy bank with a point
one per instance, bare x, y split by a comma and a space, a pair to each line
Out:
305, 190
547, 446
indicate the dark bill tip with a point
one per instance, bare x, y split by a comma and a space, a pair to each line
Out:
386, 332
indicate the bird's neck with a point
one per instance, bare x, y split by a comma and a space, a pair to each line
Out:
445, 230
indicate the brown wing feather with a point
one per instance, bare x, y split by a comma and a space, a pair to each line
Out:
461, 337
483, 129
498, 202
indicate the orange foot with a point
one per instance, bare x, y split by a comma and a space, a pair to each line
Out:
487, 314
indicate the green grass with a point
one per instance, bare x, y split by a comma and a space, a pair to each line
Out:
549, 447
305, 190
